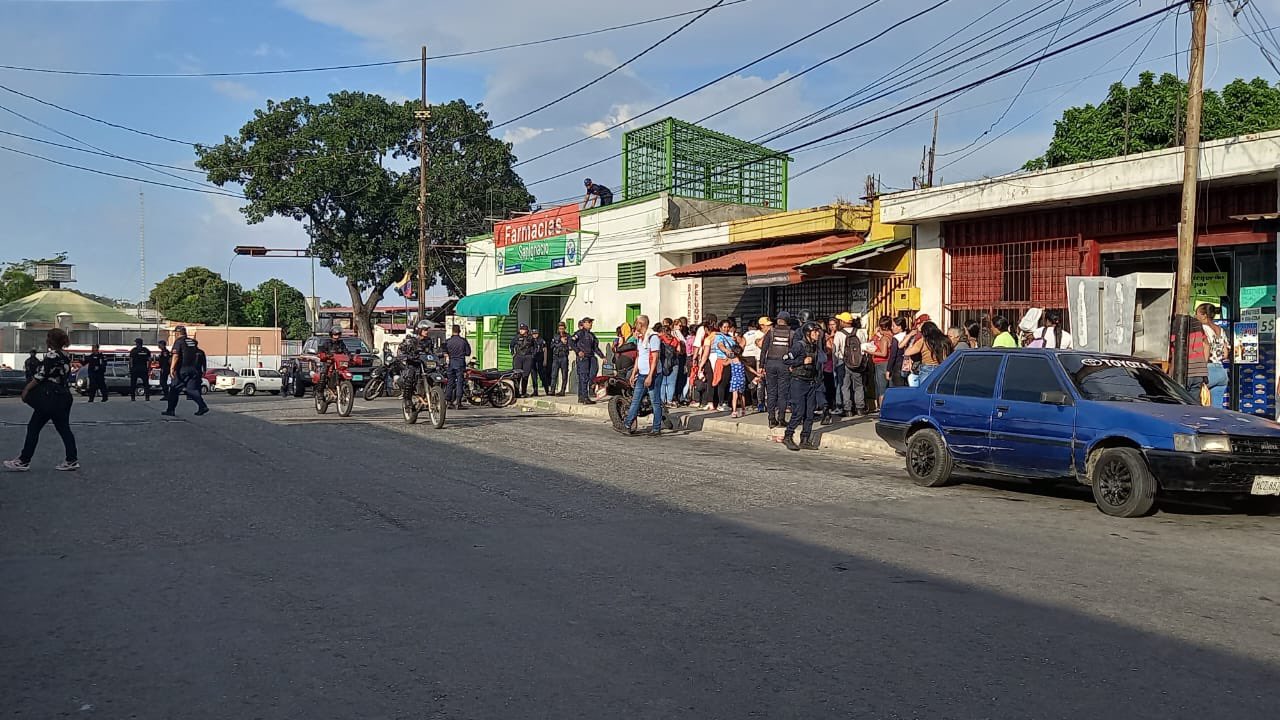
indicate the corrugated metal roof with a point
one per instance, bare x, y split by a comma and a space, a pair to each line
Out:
777, 259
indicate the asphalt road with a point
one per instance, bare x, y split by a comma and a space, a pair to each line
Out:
266, 562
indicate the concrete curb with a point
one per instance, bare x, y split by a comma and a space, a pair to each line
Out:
830, 437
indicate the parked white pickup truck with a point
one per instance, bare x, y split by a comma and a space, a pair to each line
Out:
251, 381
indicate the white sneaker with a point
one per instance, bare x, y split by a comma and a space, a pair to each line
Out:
16, 465
67, 465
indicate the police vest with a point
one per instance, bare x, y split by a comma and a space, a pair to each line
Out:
780, 345
523, 346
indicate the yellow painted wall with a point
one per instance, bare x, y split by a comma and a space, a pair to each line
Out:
884, 231
829, 219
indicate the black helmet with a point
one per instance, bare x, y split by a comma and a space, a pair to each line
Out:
810, 327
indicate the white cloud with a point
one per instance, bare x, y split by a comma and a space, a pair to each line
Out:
234, 90
605, 58
618, 114
517, 135
268, 50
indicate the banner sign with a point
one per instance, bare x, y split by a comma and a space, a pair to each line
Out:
546, 254
538, 226
1208, 288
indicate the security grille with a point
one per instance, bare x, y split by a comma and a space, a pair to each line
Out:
1008, 278
823, 298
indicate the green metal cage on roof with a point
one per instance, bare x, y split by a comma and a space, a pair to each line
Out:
691, 161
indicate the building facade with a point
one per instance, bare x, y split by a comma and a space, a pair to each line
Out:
1007, 244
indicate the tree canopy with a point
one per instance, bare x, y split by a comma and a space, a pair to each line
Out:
342, 168
16, 282
260, 305
198, 295
1152, 115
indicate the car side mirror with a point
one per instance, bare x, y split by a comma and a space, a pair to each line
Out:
1053, 397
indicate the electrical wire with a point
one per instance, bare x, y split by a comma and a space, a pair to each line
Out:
116, 175
611, 71
701, 87
355, 66
95, 119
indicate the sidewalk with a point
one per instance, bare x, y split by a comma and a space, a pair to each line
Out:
857, 437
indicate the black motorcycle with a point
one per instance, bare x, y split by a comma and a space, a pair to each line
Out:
384, 381
428, 393
620, 392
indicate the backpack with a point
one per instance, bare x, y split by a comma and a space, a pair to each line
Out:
667, 357
853, 355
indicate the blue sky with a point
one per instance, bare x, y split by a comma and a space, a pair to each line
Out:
51, 208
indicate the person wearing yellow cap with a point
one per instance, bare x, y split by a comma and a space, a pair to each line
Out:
850, 359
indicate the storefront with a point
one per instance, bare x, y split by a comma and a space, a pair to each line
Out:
1004, 245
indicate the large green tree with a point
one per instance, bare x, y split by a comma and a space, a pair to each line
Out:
347, 169
16, 282
198, 295
1152, 115
276, 303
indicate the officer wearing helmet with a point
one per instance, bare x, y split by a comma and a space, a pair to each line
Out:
806, 382
410, 352
332, 346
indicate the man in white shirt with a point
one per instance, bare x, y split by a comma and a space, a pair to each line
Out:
644, 377
751, 360
847, 348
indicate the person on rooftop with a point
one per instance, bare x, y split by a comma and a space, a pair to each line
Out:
596, 195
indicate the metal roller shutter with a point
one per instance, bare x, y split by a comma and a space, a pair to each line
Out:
823, 298
730, 297
505, 328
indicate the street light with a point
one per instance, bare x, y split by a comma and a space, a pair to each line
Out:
260, 251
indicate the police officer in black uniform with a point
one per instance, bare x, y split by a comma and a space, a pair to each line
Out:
522, 358
30, 367
332, 346
456, 351
775, 345
805, 366
96, 371
539, 370
560, 349
185, 367
139, 369
165, 358
410, 353
586, 348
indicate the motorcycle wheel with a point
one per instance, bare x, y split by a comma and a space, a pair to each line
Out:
346, 398
410, 408
436, 407
322, 403
618, 406
503, 394
373, 389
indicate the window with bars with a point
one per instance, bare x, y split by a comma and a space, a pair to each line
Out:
1008, 278
631, 275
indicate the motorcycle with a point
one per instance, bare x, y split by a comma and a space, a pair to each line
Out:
615, 389
496, 387
337, 386
428, 394
384, 381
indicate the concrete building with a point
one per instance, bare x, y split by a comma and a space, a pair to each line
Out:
1006, 244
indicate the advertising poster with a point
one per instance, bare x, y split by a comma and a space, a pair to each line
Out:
1246, 343
1208, 288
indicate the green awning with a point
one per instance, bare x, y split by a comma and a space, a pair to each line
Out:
858, 252
499, 300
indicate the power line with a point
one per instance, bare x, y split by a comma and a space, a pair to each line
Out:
116, 175
701, 87
355, 66
599, 78
95, 119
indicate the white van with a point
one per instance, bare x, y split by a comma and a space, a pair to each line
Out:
251, 381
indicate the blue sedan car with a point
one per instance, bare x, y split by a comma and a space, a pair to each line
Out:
1112, 422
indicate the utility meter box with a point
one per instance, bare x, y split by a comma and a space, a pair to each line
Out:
1127, 315
906, 299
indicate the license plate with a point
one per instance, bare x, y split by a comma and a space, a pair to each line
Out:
357, 378
1265, 485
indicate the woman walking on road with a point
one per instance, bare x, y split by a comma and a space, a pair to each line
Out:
49, 395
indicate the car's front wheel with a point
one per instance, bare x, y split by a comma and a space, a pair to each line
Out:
929, 462
1123, 485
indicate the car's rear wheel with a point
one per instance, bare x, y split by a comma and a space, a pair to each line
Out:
250, 390
929, 463
1123, 485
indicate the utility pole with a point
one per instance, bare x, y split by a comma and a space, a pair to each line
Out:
1182, 322
933, 151
142, 255
423, 114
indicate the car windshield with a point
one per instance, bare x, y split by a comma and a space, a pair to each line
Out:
1120, 379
